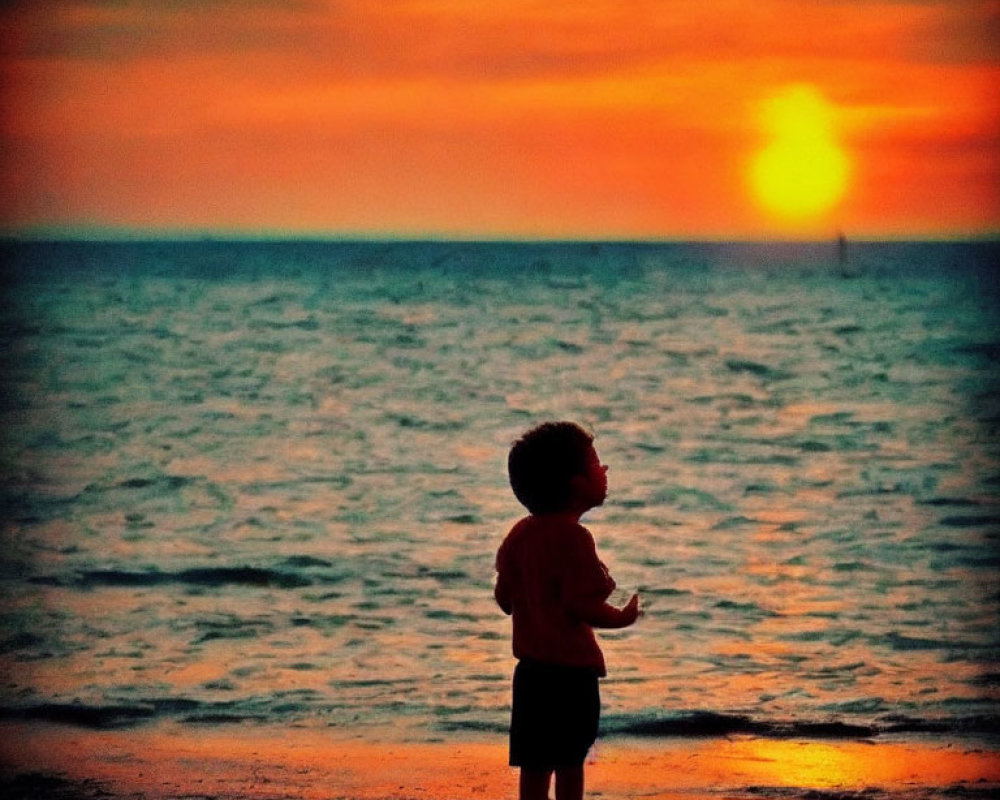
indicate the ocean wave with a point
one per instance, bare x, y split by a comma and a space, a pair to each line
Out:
971, 520
204, 577
709, 724
281, 709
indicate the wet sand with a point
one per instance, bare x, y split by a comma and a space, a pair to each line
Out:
168, 762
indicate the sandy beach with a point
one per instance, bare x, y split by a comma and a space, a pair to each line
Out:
167, 762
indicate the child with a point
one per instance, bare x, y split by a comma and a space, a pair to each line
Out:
550, 579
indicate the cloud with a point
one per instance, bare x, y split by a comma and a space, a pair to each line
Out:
119, 31
972, 37
943, 31
515, 40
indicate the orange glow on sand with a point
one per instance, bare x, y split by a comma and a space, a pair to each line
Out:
252, 762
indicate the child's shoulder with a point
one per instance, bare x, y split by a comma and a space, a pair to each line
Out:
552, 528
548, 522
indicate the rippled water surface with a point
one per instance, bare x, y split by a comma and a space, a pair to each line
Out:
266, 481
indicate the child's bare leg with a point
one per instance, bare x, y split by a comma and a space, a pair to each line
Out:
569, 783
535, 784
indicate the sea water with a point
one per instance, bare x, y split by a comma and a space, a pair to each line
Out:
249, 482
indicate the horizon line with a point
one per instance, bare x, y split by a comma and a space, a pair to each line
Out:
136, 236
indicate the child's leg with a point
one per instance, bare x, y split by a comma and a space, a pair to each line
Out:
569, 783
534, 784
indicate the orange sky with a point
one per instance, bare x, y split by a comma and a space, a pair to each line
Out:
592, 118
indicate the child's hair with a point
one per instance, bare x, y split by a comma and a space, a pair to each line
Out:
543, 462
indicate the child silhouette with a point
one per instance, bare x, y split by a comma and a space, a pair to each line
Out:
550, 579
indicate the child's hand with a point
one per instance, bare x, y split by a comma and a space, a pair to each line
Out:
631, 611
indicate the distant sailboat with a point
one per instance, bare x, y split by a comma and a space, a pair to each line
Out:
843, 257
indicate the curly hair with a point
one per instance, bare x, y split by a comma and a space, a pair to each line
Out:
543, 462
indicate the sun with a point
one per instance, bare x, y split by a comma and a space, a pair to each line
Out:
802, 171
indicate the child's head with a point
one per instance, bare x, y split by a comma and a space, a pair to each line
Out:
554, 468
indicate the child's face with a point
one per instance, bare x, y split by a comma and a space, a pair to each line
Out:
593, 485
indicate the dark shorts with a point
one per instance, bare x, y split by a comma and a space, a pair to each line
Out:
555, 715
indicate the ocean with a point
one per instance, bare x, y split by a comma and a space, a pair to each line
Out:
263, 483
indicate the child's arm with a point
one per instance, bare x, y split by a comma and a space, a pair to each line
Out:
601, 614
588, 586
501, 595
501, 589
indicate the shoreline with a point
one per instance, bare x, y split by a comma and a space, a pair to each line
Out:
44, 760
